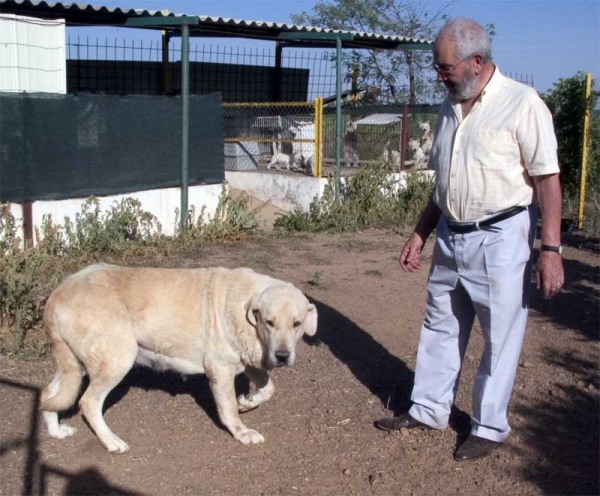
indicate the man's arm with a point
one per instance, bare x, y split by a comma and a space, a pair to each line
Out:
410, 256
549, 270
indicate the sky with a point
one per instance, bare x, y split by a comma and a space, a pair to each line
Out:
543, 39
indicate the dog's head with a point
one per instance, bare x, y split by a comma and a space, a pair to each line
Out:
424, 127
413, 144
281, 315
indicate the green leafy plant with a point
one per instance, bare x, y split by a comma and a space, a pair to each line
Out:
370, 198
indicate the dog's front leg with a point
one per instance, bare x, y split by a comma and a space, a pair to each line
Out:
264, 389
221, 380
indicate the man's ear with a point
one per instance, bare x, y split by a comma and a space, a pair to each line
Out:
252, 307
310, 322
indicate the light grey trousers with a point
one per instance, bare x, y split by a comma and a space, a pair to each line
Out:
487, 274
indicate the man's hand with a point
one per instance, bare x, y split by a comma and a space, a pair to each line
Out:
549, 273
410, 256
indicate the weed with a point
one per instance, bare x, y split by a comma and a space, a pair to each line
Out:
371, 198
316, 279
232, 218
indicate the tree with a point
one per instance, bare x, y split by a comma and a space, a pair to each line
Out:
401, 75
567, 102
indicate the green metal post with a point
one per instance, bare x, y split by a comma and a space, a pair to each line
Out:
185, 120
338, 117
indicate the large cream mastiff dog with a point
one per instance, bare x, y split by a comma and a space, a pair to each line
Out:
104, 319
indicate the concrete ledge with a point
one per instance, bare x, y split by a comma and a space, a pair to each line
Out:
290, 192
162, 203
286, 191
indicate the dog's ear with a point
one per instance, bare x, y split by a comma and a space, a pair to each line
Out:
310, 322
251, 308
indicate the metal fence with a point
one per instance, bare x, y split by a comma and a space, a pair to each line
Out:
242, 74
300, 136
274, 135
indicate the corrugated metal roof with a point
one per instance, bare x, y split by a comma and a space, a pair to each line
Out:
380, 119
89, 15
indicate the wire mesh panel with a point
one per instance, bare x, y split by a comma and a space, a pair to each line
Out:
272, 135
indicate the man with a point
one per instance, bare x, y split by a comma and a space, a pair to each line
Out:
494, 155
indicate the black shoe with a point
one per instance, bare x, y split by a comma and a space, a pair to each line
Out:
403, 421
474, 448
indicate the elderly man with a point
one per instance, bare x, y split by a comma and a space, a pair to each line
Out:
494, 155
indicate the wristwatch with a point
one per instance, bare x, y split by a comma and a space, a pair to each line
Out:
556, 249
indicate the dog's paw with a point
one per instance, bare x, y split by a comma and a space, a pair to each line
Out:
115, 444
246, 403
63, 431
250, 437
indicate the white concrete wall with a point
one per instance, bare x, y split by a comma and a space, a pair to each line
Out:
290, 192
286, 191
163, 203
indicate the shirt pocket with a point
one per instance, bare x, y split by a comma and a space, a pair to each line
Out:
493, 149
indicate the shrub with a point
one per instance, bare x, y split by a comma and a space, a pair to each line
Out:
231, 219
370, 198
567, 102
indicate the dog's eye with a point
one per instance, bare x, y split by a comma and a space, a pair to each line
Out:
297, 323
270, 323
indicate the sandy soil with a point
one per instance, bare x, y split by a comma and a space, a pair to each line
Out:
320, 438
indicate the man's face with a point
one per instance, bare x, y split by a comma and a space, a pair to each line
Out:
456, 74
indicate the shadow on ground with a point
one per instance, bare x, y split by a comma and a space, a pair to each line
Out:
565, 428
36, 474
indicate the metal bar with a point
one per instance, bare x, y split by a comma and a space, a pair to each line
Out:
414, 46
318, 135
268, 104
316, 36
165, 62
403, 138
584, 149
27, 224
338, 116
276, 89
162, 21
267, 140
185, 124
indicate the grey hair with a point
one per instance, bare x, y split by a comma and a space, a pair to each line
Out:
470, 38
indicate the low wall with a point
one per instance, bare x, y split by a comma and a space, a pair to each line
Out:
163, 203
286, 191
291, 192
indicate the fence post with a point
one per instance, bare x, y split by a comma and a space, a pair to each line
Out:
185, 124
165, 63
403, 138
584, 149
338, 118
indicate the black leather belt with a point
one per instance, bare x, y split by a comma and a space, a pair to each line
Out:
476, 226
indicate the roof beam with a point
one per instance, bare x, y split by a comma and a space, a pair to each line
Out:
161, 21
291, 36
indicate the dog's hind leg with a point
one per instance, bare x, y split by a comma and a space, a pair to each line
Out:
264, 389
105, 375
221, 380
62, 392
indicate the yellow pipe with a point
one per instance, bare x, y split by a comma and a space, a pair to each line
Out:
318, 135
584, 149
269, 104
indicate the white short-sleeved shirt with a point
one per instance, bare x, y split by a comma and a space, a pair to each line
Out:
483, 163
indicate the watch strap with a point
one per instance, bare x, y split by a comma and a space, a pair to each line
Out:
555, 249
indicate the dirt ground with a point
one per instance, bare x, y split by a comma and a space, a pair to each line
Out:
320, 437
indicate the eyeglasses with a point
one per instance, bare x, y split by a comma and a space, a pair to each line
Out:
446, 72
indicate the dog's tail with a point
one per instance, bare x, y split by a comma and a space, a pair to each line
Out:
68, 379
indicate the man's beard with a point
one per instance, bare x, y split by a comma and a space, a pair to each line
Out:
465, 89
